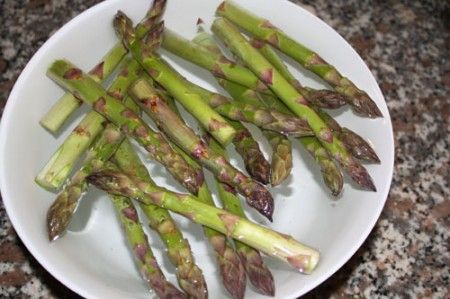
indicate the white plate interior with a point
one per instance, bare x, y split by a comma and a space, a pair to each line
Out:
92, 259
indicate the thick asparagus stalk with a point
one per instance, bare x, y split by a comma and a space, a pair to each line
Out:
67, 104
259, 275
293, 99
264, 30
322, 98
189, 275
231, 269
61, 164
61, 211
170, 123
74, 80
281, 246
160, 72
142, 252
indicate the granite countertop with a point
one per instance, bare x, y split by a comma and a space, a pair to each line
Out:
406, 44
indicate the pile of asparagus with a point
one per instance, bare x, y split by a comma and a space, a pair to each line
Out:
262, 92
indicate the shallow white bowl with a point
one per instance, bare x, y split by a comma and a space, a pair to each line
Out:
92, 258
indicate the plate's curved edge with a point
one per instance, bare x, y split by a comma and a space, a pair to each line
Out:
3, 128
100, 6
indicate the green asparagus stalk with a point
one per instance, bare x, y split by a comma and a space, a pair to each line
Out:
189, 276
143, 254
224, 68
299, 256
293, 99
259, 275
61, 164
160, 72
322, 98
257, 196
61, 211
231, 269
73, 79
67, 104
264, 30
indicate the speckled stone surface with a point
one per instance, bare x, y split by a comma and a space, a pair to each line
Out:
407, 46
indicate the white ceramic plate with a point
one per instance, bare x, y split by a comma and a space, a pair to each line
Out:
92, 258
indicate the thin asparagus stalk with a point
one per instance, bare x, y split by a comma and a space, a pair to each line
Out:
160, 72
293, 99
231, 269
67, 104
61, 211
142, 252
299, 256
322, 98
189, 275
73, 79
259, 275
61, 163
220, 67
264, 30
257, 196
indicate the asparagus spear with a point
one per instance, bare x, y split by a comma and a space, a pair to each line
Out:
160, 72
67, 104
281, 246
143, 254
169, 122
73, 79
61, 211
293, 99
61, 164
231, 269
264, 30
322, 98
259, 275
189, 275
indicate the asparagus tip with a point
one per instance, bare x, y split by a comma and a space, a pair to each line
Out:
359, 147
360, 175
233, 275
365, 106
165, 289
259, 275
262, 200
